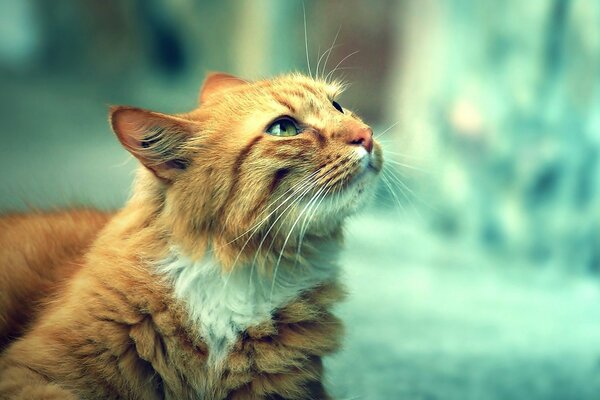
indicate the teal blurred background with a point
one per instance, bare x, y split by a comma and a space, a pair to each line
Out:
474, 275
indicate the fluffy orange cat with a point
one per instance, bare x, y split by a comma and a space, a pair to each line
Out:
216, 280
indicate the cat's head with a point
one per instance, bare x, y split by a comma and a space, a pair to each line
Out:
255, 159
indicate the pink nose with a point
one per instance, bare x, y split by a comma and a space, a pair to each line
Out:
363, 137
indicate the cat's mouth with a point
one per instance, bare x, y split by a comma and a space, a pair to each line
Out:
354, 174
368, 164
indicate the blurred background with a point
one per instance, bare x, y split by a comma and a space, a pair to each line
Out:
474, 274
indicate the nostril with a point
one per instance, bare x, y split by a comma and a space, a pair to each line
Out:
362, 137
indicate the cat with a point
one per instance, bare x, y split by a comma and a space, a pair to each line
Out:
218, 277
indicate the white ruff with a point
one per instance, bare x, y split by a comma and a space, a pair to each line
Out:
223, 305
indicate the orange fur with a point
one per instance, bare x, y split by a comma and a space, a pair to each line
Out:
210, 184
39, 252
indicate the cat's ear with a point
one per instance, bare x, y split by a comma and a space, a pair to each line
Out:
156, 140
217, 82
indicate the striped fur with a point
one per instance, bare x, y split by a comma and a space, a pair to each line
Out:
216, 280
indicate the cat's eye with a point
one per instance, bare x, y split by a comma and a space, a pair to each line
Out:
337, 106
283, 127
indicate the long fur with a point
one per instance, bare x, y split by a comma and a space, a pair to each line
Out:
217, 279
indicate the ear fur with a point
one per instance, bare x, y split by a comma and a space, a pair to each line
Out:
218, 82
156, 140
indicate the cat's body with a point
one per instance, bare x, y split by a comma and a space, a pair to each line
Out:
116, 331
214, 281
39, 253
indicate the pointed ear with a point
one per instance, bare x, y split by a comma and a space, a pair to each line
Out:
156, 140
217, 82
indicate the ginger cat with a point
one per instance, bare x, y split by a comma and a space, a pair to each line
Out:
216, 280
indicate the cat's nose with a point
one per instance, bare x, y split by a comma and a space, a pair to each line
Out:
362, 136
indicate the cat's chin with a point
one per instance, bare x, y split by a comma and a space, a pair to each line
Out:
354, 197
360, 191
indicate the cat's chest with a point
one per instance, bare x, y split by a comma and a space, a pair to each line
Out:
221, 306
279, 356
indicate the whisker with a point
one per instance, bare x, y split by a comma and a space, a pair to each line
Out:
126, 161
287, 238
387, 130
297, 200
338, 64
305, 224
386, 181
326, 178
395, 153
319, 62
408, 166
306, 184
330, 50
393, 178
281, 226
412, 192
298, 185
321, 71
306, 40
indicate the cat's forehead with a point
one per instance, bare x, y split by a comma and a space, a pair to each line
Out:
305, 84
293, 94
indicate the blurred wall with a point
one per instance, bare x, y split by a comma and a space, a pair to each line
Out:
501, 102
489, 111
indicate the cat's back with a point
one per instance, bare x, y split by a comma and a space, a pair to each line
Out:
39, 251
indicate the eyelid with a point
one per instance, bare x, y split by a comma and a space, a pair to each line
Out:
291, 119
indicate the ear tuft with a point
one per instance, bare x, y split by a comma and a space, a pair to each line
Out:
217, 82
156, 140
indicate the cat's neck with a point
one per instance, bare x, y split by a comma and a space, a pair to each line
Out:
221, 299
221, 305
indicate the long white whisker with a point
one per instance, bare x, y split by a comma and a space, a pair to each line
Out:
397, 179
281, 226
326, 173
285, 244
391, 126
246, 243
319, 62
306, 40
393, 178
412, 192
312, 175
295, 201
297, 187
305, 183
407, 166
330, 51
395, 153
385, 180
340, 63
304, 225
307, 220
298, 199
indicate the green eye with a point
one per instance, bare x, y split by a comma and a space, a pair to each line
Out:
283, 127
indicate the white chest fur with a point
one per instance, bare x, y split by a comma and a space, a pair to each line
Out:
222, 305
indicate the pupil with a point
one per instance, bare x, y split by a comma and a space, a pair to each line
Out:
337, 106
